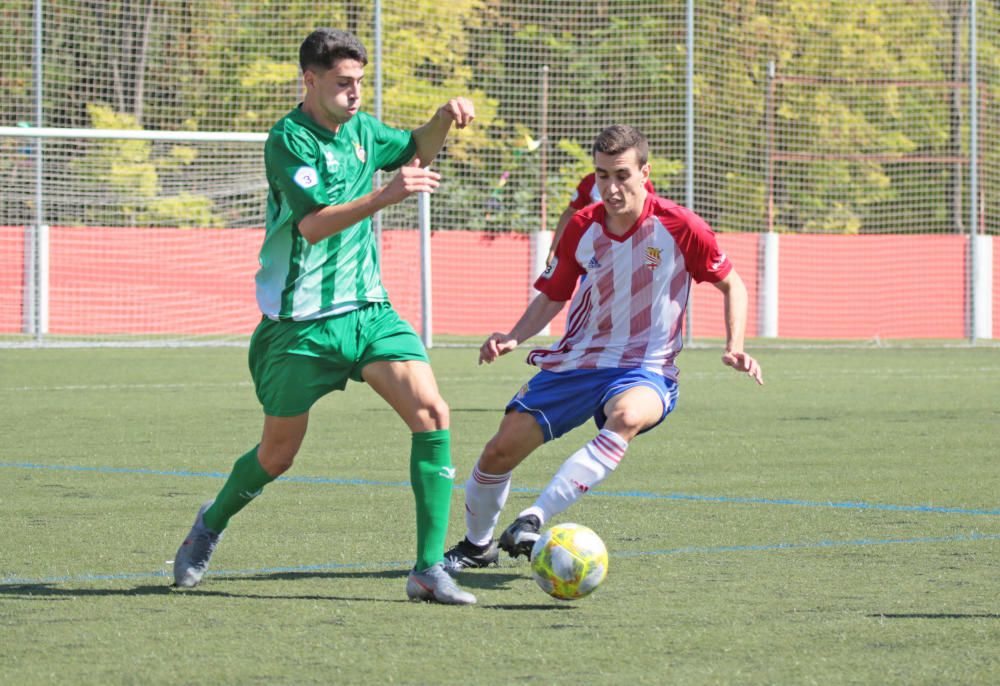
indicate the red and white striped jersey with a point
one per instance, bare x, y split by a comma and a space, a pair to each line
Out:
628, 312
586, 192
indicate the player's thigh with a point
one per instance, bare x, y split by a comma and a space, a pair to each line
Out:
562, 401
518, 436
393, 361
636, 412
411, 390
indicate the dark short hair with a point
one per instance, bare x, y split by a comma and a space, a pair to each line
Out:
616, 139
325, 47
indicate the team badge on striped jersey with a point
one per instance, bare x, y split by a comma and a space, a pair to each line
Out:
652, 257
360, 152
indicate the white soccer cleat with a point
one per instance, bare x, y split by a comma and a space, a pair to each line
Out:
191, 560
434, 584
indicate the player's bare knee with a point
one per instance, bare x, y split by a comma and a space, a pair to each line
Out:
276, 456
627, 421
498, 456
434, 415
277, 461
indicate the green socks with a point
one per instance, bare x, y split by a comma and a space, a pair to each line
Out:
244, 484
431, 476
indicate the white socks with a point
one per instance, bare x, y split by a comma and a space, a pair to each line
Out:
584, 469
485, 495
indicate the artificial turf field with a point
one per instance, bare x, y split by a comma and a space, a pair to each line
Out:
839, 525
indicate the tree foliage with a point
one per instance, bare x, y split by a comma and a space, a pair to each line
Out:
847, 138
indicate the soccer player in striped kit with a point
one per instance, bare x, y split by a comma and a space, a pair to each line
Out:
327, 317
615, 362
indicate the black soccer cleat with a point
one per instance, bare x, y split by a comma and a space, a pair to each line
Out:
519, 538
468, 555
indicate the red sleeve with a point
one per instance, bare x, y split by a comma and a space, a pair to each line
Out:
558, 281
581, 196
704, 258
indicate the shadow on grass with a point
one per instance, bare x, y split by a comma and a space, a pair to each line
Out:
473, 580
294, 575
55, 592
534, 606
211, 588
936, 615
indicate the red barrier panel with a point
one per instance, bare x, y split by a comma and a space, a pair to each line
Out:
871, 286
11, 278
108, 281
481, 282
152, 281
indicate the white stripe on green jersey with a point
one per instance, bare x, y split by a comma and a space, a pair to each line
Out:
308, 167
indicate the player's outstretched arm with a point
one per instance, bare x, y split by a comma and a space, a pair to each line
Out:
430, 137
735, 295
332, 219
540, 312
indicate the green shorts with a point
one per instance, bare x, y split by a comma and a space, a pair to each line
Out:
294, 364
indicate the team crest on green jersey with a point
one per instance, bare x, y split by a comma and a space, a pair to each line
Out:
360, 152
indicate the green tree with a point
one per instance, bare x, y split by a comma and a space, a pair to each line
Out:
125, 175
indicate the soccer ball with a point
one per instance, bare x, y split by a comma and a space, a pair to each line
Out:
569, 561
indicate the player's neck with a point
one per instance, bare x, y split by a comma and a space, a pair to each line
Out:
619, 224
318, 116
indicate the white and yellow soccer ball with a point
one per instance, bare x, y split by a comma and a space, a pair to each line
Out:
569, 561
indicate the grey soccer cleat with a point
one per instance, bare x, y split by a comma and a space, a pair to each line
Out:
434, 584
192, 557
519, 538
468, 555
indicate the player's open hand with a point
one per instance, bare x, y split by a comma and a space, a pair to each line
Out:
740, 361
496, 345
410, 179
459, 110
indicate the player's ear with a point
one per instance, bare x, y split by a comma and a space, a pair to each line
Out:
645, 171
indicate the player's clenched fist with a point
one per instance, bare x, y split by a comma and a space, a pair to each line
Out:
459, 110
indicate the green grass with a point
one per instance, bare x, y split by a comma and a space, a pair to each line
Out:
733, 558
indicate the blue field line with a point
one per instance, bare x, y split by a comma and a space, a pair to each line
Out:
736, 500
847, 505
403, 566
960, 538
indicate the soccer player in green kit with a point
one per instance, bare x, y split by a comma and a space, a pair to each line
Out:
327, 317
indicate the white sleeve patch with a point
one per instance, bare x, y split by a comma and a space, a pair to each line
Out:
306, 177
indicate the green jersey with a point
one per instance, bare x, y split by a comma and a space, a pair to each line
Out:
308, 167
